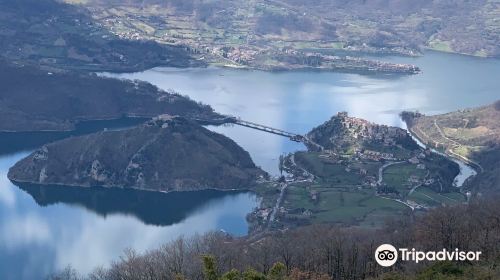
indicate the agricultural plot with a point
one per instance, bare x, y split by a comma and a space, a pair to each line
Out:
403, 177
427, 196
353, 207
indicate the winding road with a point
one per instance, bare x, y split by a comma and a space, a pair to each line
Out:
382, 168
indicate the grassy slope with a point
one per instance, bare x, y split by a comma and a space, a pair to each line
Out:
468, 27
472, 134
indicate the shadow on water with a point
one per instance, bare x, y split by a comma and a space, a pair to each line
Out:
152, 208
12, 142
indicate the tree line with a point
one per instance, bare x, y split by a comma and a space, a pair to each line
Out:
321, 252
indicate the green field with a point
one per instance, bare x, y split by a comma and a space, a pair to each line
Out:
429, 197
342, 192
438, 45
396, 176
340, 195
328, 172
338, 205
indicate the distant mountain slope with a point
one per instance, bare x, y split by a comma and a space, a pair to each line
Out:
472, 135
469, 27
51, 33
36, 100
462, 26
163, 155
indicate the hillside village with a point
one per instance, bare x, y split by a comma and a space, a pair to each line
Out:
364, 171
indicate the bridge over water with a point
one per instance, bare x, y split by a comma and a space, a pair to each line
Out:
292, 136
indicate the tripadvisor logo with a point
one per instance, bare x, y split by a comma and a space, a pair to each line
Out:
387, 255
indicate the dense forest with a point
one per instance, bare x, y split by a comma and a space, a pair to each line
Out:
56, 101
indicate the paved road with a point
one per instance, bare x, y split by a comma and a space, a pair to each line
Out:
456, 145
284, 186
382, 168
278, 203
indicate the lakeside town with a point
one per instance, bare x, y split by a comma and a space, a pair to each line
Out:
348, 184
241, 49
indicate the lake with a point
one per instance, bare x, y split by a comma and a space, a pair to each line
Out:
299, 101
43, 229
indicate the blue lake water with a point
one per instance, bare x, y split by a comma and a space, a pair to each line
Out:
299, 101
43, 230
89, 228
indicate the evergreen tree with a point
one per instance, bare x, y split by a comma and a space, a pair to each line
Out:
210, 268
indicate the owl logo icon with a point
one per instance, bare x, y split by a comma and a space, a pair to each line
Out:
386, 255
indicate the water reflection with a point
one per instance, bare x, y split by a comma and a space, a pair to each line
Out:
36, 240
152, 208
90, 229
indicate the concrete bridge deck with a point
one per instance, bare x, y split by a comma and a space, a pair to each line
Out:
292, 136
